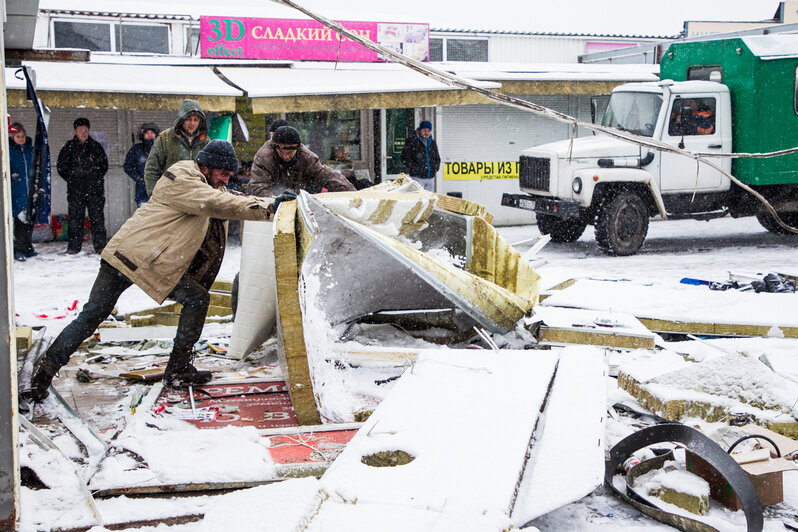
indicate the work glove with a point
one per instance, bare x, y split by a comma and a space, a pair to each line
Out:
285, 195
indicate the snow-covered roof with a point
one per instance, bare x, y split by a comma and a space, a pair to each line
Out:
147, 79
553, 71
304, 79
772, 46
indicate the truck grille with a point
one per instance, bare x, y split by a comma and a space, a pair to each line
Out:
533, 172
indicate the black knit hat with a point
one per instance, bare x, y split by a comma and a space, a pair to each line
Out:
287, 136
81, 122
277, 124
219, 154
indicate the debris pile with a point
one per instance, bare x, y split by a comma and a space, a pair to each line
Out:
423, 374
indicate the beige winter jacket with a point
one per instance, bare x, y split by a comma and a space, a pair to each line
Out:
156, 246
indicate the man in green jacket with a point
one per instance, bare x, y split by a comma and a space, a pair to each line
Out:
172, 246
182, 142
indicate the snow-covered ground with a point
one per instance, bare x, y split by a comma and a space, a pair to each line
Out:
46, 287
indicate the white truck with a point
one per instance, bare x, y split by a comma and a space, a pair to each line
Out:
734, 97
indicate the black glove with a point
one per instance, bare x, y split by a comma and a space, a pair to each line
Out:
285, 195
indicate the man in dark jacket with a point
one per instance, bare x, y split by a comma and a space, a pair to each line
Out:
171, 247
182, 142
420, 156
285, 163
82, 164
136, 159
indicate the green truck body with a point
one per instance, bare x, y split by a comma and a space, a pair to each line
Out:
762, 85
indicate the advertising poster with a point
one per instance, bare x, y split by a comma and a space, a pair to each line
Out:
306, 40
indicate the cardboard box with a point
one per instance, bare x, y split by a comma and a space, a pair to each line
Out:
766, 476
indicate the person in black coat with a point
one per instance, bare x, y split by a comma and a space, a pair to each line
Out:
82, 163
420, 156
136, 159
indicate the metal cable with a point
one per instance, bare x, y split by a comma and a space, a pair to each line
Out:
453, 80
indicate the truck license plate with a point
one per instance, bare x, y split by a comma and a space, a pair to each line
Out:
527, 204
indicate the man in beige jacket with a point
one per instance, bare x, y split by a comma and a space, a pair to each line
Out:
171, 247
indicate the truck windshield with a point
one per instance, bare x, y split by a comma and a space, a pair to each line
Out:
635, 112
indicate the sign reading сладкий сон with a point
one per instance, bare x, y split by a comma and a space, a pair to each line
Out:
273, 38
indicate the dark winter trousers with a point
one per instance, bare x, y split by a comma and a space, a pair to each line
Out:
23, 233
108, 286
78, 204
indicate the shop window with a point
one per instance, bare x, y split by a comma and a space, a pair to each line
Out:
332, 135
436, 49
89, 36
466, 50
143, 39
112, 37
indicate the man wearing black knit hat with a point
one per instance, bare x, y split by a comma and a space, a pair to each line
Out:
171, 247
82, 163
284, 163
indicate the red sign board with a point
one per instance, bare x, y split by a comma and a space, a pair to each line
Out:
263, 405
295, 39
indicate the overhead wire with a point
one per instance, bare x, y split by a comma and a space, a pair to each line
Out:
454, 80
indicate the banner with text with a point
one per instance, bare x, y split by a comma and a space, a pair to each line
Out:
478, 170
294, 39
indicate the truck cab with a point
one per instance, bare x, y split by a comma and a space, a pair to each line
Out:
617, 185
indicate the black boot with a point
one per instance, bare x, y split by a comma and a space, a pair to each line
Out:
43, 374
180, 373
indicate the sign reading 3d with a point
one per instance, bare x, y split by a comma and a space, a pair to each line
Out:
290, 39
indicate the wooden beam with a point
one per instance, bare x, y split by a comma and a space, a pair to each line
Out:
380, 100
290, 333
559, 335
558, 87
120, 100
715, 329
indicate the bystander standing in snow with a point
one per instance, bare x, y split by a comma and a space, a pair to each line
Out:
82, 163
182, 142
171, 247
285, 163
136, 159
420, 156
20, 155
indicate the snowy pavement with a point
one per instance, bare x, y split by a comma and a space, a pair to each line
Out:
46, 287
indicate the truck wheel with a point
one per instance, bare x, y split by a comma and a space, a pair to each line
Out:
561, 231
767, 221
622, 224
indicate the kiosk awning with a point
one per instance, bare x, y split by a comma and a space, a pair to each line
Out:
327, 86
123, 86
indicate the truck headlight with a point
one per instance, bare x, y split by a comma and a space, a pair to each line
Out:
576, 185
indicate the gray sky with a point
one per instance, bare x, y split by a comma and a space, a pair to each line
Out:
635, 17
623, 17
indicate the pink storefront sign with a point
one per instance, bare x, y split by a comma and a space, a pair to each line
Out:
290, 39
